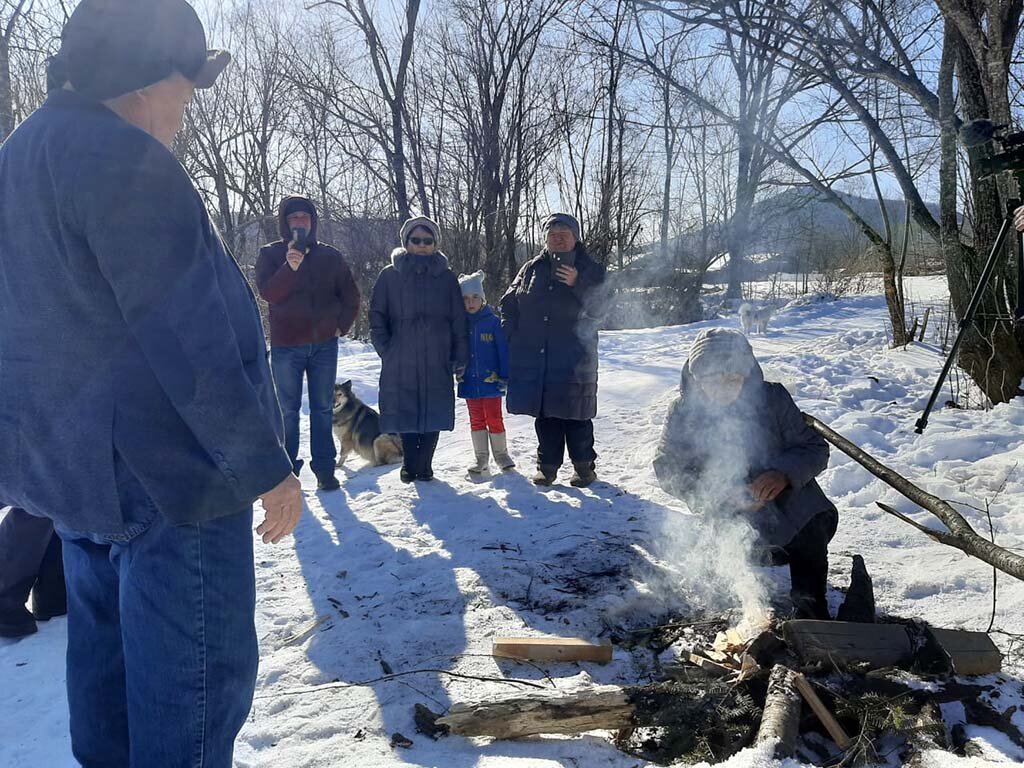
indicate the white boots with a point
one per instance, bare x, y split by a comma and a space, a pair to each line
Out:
499, 447
480, 450
485, 443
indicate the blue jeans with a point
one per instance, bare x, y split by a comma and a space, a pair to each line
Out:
162, 651
319, 363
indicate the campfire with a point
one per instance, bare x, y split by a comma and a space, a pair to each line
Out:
825, 692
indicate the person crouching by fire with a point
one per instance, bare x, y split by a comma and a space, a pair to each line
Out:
734, 445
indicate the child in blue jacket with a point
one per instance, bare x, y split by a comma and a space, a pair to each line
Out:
486, 378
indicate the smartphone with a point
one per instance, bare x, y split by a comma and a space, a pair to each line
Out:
300, 239
564, 259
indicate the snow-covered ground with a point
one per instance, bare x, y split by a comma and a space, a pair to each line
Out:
382, 576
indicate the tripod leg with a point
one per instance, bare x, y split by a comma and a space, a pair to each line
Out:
967, 319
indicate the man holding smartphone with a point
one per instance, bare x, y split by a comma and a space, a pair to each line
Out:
313, 300
550, 316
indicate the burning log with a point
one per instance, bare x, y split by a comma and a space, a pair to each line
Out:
781, 720
959, 533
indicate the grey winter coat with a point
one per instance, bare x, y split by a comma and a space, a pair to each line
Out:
418, 327
552, 337
705, 452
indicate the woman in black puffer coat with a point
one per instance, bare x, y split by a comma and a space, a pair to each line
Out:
418, 327
550, 316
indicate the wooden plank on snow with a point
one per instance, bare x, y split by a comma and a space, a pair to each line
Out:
847, 644
970, 653
551, 649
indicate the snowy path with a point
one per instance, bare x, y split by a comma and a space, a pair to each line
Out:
423, 576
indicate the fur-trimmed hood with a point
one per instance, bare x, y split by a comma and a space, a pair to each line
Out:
402, 260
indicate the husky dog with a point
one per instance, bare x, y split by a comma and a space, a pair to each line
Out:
755, 320
357, 426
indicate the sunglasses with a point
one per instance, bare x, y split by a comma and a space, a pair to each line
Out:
421, 240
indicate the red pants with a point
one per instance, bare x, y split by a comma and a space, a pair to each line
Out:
485, 413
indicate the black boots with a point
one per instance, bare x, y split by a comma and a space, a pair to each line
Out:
327, 482
584, 475
545, 475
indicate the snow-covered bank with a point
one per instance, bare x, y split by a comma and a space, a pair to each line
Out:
422, 577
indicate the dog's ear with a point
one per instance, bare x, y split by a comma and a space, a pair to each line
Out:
347, 385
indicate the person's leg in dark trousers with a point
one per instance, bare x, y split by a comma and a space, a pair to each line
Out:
808, 566
321, 374
288, 365
428, 444
579, 438
550, 448
410, 456
162, 648
49, 595
24, 540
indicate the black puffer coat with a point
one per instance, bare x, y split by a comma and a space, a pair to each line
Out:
552, 338
418, 327
705, 452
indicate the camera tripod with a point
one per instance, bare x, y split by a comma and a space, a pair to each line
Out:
979, 292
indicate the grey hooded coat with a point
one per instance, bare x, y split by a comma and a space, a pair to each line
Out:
418, 327
706, 451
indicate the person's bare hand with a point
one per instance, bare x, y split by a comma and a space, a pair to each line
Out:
1018, 219
768, 485
295, 258
282, 506
567, 274
741, 500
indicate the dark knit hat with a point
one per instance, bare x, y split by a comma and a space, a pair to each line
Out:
420, 221
720, 350
565, 220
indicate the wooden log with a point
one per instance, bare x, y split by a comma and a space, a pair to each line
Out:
550, 649
970, 653
924, 323
596, 709
847, 645
835, 730
780, 722
709, 666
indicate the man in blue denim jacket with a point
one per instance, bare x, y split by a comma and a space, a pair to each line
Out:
135, 395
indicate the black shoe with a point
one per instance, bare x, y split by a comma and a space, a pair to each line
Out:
545, 475
17, 623
327, 483
426, 476
406, 476
583, 476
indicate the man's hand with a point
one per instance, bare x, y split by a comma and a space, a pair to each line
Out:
768, 485
283, 507
567, 274
1018, 219
295, 258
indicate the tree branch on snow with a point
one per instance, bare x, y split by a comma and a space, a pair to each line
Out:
959, 533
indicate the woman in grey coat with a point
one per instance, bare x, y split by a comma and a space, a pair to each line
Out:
418, 327
734, 444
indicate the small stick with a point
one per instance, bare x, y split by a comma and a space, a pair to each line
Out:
835, 730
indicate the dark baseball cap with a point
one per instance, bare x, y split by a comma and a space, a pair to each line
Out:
113, 47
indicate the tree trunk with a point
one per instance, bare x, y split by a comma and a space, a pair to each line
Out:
781, 720
6, 94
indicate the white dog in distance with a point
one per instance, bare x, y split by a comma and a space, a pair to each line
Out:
754, 320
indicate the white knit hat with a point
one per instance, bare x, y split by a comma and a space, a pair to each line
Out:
473, 285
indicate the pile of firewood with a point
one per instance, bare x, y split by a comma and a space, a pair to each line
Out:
819, 691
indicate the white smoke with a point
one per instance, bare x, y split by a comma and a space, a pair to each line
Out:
713, 550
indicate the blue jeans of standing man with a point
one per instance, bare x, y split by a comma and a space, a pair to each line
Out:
162, 652
319, 364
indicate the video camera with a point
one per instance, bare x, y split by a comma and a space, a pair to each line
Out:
1010, 159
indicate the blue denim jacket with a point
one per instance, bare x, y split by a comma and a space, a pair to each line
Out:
125, 330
